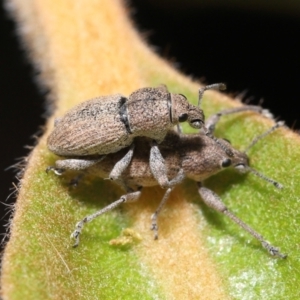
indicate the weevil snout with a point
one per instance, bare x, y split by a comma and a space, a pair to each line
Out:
241, 162
196, 117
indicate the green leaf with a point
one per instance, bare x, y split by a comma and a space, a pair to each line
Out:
84, 50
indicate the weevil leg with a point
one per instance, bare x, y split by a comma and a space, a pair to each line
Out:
122, 164
63, 165
159, 170
158, 166
215, 86
75, 164
178, 179
130, 197
214, 119
211, 122
212, 200
154, 216
261, 136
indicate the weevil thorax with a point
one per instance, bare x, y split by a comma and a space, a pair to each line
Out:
183, 111
149, 112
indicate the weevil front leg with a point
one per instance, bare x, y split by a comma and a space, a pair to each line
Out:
122, 164
130, 197
212, 200
158, 166
211, 122
159, 169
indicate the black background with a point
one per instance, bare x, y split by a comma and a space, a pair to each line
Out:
250, 51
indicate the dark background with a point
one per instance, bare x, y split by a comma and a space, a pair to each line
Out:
250, 51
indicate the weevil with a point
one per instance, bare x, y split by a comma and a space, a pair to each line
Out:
194, 156
108, 124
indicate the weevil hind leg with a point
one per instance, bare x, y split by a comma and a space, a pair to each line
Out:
73, 164
129, 197
81, 165
214, 201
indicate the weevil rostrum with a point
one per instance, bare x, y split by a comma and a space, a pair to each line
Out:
108, 124
194, 156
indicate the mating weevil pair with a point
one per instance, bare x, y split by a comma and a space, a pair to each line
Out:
108, 124
195, 156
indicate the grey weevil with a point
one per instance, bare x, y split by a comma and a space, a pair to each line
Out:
108, 124
194, 156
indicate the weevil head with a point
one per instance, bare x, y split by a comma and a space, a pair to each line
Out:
182, 111
202, 157
239, 160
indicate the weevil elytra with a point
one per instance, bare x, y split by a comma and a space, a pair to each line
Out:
194, 156
110, 123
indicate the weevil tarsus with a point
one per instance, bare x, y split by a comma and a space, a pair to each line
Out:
154, 216
57, 171
129, 197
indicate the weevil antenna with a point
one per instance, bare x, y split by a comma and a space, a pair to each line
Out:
259, 137
262, 176
215, 86
255, 140
217, 141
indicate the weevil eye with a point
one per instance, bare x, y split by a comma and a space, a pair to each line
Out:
197, 123
226, 162
183, 117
